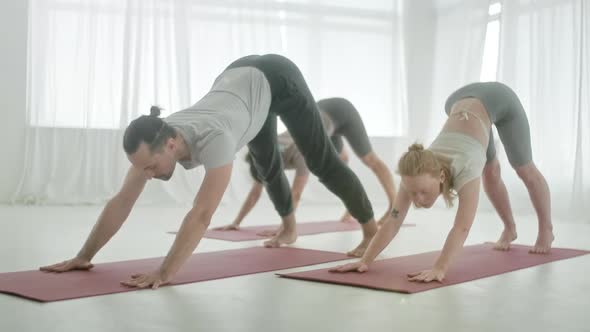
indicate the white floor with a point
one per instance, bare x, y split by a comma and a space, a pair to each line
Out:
551, 297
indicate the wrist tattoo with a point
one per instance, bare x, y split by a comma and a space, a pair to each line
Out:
394, 213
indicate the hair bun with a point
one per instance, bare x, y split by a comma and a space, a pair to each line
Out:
416, 147
155, 111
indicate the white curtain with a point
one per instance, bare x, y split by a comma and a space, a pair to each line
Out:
545, 58
458, 52
94, 65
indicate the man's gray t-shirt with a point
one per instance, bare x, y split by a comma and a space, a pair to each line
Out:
225, 119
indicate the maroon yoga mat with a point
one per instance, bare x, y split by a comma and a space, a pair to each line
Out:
105, 278
305, 228
474, 262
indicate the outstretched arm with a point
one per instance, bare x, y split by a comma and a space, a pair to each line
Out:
385, 179
249, 203
384, 236
109, 222
468, 200
191, 231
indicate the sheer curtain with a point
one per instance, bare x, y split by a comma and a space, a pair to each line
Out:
459, 44
94, 65
544, 57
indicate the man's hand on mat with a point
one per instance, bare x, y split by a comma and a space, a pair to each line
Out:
351, 267
230, 227
141, 280
69, 265
427, 275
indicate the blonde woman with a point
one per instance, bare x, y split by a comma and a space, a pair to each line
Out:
461, 158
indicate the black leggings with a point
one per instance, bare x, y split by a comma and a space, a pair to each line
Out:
294, 103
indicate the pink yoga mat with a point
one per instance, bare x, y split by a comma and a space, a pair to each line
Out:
305, 228
105, 278
474, 262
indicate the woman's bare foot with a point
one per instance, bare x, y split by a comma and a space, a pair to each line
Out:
369, 230
269, 232
508, 235
284, 236
544, 240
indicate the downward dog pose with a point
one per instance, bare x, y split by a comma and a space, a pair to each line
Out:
241, 108
459, 159
341, 120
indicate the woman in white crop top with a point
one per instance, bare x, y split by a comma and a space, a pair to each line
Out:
459, 159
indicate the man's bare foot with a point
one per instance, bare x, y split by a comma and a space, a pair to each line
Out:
359, 251
369, 230
544, 241
282, 237
508, 235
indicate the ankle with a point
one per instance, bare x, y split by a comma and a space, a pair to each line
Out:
546, 228
369, 229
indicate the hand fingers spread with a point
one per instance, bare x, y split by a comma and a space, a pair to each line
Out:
144, 284
129, 283
419, 277
52, 268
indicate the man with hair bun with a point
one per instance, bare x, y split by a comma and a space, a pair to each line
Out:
240, 109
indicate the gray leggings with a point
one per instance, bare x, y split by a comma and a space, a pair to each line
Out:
506, 113
347, 123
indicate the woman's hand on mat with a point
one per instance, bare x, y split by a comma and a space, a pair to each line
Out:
69, 265
269, 232
351, 267
230, 227
427, 275
143, 280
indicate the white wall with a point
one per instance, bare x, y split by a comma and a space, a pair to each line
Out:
13, 59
